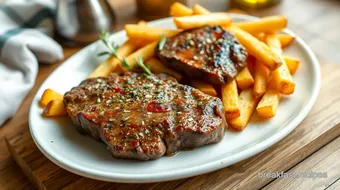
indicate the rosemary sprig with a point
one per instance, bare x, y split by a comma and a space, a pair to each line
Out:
113, 51
161, 43
112, 48
141, 65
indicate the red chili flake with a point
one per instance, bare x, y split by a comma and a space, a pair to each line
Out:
216, 48
133, 143
88, 116
109, 113
217, 35
119, 90
157, 108
119, 147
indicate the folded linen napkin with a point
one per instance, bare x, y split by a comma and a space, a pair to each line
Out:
25, 27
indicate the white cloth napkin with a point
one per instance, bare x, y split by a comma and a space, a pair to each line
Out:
25, 27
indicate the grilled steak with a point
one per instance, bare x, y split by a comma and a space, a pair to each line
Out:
145, 117
209, 52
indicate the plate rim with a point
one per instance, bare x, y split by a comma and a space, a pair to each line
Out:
204, 168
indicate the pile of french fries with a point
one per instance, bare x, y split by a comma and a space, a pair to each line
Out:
258, 86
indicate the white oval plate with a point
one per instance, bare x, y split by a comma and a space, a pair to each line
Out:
62, 144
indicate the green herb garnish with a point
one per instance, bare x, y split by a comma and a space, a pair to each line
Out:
112, 47
158, 91
141, 65
125, 63
147, 86
161, 43
125, 119
200, 104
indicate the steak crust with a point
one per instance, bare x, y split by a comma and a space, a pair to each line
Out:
210, 53
144, 118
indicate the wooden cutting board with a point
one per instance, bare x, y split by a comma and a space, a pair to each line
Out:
321, 126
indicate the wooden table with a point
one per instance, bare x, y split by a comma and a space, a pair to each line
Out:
312, 146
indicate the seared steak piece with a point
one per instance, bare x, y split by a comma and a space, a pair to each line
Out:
210, 53
143, 117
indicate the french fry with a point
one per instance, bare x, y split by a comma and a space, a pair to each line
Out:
285, 39
199, 10
281, 76
247, 104
244, 79
251, 64
142, 23
260, 36
140, 42
260, 79
266, 24
157, 67
292, 64
178, 9
145, 52
54, 108
195, 21
229, 96
269, 103
146, 34
49, 95
237, 11
118, 70
257, 48
110, 64
204, 87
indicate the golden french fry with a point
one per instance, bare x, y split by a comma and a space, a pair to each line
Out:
247, 104
142, 23
266, 24
157, 67
285, 39
281, 76
54, 108
238, 11
178, 9
257, 48
49, 95
145, 52
105, 68
118, 70
292, 64
260, 36
147, 34
229, 97
204, 87
199, 10
244, 79
269, 103
140, 42
261, 79
195, 21
251, 64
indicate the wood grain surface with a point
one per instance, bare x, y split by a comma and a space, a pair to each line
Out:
326, 160
317, 22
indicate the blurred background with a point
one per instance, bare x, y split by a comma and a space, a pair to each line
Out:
316, 21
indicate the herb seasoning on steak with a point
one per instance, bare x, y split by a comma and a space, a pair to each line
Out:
143, 117
210, 53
